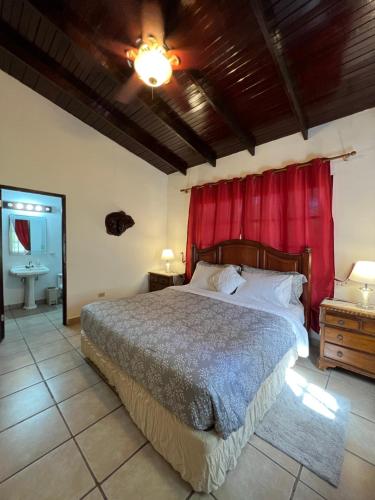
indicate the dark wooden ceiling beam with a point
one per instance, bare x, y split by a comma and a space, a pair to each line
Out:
219, 105
38, 60
82, 35
278, 59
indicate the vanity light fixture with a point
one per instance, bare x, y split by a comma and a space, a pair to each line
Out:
29, 207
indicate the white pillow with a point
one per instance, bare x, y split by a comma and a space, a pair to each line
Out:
298, 280
225, 281
202, 273
271, 288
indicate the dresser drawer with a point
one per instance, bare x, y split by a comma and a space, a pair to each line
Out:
368, 326
354, 358
342, 322
349, 339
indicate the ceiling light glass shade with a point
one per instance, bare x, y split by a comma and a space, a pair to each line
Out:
363, 272
152, 65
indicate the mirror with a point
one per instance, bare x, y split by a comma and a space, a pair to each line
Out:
27, 235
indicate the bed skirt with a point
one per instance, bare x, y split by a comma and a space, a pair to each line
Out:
201, 457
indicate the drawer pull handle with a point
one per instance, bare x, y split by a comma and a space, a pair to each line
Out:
341, 322
339, 354
340, 337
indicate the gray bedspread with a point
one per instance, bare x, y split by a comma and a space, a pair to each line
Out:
201, 358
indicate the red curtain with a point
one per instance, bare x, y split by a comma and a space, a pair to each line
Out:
22, 229
215, 214
291, 210
288, 210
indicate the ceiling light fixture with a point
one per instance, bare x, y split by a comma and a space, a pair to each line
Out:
152, 63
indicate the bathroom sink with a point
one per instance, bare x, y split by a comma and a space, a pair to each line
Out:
25, 272
29, 273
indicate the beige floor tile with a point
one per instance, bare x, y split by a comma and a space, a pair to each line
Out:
146, 476
19, 379
13, 347
43, 338
359, 390
310, 376
94, 495
256, 477
69, 383
59, 364
37, 329
88, 406
50, 350
24, 404
14, 361
109, 442
33, 323
303, 492
276, 455
11, 326
26, 442
12, 336
75, 341
201, 496
357, 481
69, 331
361, 438
35, 319
311, 361
60, 475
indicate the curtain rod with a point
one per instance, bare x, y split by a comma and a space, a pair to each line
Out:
344, 156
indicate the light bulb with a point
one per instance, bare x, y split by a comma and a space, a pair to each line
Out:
38, 208
19, 206
152, 65
29, 207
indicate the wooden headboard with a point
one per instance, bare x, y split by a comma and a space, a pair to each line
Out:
254, 254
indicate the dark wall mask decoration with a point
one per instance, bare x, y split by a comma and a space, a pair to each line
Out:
117, 223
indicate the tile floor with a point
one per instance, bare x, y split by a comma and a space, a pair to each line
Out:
65, 435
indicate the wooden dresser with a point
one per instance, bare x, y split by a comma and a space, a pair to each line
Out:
347, 337
157, 280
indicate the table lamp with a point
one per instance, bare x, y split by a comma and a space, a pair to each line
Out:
167, 255
364, 272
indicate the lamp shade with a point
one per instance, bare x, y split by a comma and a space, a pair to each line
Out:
363, 272
167, 254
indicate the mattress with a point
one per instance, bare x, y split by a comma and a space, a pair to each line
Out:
201, 457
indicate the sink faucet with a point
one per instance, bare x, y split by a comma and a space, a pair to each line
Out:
29, 265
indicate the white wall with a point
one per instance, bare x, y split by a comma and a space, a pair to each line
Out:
13, 286
354, 186
44, 148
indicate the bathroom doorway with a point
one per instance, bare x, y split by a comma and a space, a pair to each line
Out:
32, 259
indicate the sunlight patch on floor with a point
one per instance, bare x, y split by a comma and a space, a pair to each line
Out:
313, 396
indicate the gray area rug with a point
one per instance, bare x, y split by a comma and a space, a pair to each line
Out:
309, 425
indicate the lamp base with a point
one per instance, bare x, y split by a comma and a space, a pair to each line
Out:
365, 296
365, 306
168, 267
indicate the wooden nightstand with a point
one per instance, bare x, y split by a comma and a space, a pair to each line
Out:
157, 280
347, 337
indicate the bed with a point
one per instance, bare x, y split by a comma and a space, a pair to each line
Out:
197, 370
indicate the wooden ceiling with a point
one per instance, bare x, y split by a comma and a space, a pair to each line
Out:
252, 71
